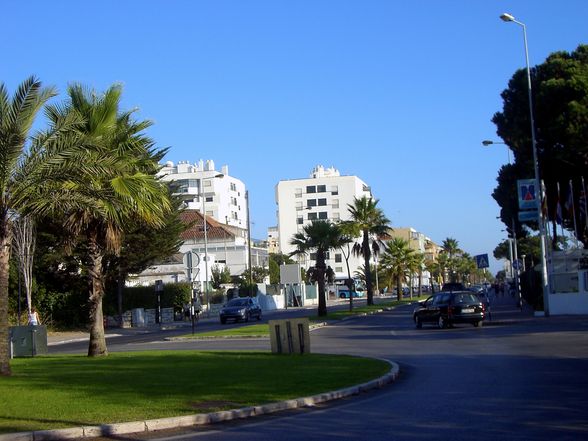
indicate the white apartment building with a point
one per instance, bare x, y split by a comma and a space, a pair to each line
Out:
201, 186
324, 195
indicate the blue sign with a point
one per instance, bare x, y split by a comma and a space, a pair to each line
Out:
528, 216
527, 194
482, 261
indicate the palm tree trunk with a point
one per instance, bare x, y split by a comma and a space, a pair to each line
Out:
399, 287
4, 266
368, 271
320, 269
97, 346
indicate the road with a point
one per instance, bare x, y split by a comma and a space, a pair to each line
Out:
522, 379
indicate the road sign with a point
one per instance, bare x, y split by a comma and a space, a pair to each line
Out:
528, 216
482, 261
527, 194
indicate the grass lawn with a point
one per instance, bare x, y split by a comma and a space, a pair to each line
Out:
51, 392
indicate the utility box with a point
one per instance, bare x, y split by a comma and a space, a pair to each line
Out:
28, 341
290, 336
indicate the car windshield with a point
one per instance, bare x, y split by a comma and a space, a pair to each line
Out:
238, 302
465, 298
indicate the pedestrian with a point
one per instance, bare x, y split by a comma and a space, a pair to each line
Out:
34, 319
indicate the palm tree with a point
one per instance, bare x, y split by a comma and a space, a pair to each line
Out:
450, 247
349, 232
17, 114
396, 262
372, 223
416, 263
320, 236
112, 187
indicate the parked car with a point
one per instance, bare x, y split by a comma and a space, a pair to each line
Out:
240, 308
448, 307
344, 293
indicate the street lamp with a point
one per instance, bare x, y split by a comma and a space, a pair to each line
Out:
487, 143
219, 175
538, 190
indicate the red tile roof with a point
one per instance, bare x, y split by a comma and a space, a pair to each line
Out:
215, 229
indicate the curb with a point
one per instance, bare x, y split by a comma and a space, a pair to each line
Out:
200, 419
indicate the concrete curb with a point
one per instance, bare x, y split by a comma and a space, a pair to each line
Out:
201, 418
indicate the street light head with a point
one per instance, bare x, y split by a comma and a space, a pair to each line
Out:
220, 175
507, 17
487, 142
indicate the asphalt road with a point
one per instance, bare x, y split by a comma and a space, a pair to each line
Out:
519, 378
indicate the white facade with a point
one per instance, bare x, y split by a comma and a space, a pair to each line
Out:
200, 184
324, 195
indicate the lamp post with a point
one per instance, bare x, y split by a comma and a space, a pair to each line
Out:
219, 175
539, 192
513, 246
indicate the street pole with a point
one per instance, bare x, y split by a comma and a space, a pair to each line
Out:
538, 191
206, 292
249, 246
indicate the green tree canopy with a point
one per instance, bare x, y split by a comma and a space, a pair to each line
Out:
560, 102
18, 190
319, 236
372, 224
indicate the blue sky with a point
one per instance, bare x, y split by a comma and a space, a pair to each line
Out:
400, 94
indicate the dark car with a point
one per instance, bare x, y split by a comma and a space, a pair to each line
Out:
453, 286
242, 308
448, 307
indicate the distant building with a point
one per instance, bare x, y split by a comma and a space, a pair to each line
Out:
201, 185
226, 247
325, 194
273, 240
421, 244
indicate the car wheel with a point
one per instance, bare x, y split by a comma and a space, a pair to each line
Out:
441, 322
418, 322
479, 323
259, 316
223, 321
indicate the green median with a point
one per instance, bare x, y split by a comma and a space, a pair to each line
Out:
68, 391
262, 330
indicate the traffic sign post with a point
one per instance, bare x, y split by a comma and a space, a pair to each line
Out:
482, 261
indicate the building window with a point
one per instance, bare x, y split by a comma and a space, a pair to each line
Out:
299, 220
334, 190
310, 189
322, 202
312, 216
323, 215
298, 193
321, 188
207, 183
298, 206
312, 256
311, 203
233, 201
234, 215
209, 198
338, 258
335, 203
336, 216
338, 269
233, 186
